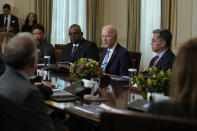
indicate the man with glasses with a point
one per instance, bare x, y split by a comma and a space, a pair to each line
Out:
161, 44
78, 46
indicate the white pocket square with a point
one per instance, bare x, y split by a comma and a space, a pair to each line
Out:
13, 21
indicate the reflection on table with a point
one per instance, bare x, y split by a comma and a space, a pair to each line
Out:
117, 94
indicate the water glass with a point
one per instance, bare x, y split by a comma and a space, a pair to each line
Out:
47, 60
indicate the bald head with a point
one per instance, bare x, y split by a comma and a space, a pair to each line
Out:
75, 33
109, 36
20, 50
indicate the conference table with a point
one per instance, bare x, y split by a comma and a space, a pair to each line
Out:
117, 94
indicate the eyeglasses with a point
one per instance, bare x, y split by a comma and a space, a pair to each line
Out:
74, 33
154, 41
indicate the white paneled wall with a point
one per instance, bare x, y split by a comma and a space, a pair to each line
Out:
19, 8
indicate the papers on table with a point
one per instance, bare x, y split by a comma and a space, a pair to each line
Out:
120, 78
61, 93
97, 109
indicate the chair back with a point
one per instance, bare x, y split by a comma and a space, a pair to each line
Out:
135, 58
144, 122
100, 49
58, 51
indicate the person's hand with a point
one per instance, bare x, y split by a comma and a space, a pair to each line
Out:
11, 28
3, 29
46, 83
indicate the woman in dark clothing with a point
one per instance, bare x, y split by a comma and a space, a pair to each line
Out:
4, 38
30, 21
183, 86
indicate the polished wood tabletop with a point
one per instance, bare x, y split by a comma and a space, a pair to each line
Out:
117, 94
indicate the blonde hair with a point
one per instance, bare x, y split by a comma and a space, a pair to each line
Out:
183, 88
4, 38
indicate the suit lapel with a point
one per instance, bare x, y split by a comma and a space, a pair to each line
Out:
162, 58
114, 54
70, 47
103, 55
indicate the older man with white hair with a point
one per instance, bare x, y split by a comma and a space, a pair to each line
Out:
115, 58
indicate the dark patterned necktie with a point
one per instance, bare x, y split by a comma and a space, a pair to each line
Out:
156, 58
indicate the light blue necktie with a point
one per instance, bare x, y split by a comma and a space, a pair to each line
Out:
105, 60
73, 52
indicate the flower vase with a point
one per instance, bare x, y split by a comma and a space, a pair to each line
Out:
93, 84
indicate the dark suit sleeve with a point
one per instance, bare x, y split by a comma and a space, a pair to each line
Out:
151, 62
1, 20
15, 25
93, 52
124, 64
46, 91
53, 60
35, 109
63, 56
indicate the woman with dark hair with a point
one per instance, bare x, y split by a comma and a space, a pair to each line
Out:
183, 86
30, 21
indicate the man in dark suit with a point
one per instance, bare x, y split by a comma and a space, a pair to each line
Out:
20, 56
8, 22
161, 43
115, 59
45, 48
78, 46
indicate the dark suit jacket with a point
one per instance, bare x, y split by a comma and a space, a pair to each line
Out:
46, 49
13, 23
86, 49
165, 62
18, 89
119, 62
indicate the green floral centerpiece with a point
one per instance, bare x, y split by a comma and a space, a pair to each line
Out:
85, 68
152, 80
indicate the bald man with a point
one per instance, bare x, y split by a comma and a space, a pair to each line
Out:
78, 46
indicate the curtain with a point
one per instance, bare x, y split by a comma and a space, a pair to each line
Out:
169, 17
133, 42
91, 20
65, 13
112, 12
44, 13
150, 20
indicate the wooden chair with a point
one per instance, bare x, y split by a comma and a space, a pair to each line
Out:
58, 51
144, 122
135, 58
100, 49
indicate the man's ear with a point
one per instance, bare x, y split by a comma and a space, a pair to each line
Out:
33, 62
163, 43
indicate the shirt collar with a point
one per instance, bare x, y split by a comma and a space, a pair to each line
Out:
112, 49
25, 75
162, 53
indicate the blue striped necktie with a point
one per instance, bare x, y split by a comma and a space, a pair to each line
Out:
73, 52
105, 60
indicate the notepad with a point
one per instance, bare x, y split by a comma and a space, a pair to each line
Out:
120, 78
